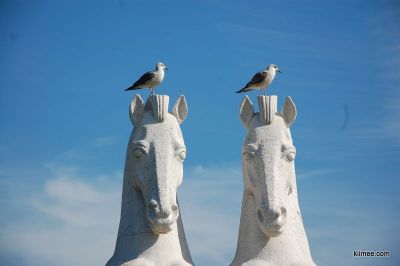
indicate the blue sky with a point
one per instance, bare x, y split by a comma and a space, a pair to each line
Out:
64, 124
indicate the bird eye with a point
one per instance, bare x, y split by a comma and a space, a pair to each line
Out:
181, 154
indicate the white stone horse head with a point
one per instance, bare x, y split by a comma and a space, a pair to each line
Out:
268, 164
271, 229
158, 152
151, 230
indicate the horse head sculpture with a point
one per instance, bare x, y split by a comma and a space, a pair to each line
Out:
157, 151
268, 164
271, 228
151, 230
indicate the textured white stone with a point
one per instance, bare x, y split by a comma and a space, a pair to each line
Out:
268, 108
151, 230
271, 228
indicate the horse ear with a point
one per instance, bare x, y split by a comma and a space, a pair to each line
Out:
289, 111
180, 110
246, 111
136, 110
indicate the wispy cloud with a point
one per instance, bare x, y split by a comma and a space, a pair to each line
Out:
388, 69
313, 173
211, 201
72, 221
73, 201
105, 141
386, 125
341, 224
73, 218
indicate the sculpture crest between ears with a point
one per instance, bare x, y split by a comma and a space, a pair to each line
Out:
268, 110
158, 105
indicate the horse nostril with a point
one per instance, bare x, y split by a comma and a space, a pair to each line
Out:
270, 214
152, 204
273, 214
163, 214
174, 208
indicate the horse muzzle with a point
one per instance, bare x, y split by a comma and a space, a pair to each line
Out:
162, 221
272, 220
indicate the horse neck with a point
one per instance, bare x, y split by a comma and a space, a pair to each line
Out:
253, 244
135, 236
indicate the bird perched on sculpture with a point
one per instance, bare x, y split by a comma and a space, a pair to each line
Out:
151, 79
261, 80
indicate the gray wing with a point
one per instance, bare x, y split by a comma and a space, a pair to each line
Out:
257, 78
142, 81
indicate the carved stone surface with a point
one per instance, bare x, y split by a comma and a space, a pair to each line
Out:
271, 228
151, 230
268, 108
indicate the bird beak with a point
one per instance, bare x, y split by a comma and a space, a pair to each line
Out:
279, 71
166, 68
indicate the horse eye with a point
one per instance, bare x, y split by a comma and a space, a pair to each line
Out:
182, 154
249, 151
290, 156
138, 153
248, 155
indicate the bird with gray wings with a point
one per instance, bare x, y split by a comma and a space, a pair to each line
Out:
151, 79
261, 80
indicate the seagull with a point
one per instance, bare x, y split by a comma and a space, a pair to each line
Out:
150, 79
261, 80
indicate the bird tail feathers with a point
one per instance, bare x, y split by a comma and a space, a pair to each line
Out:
131, 88
244, 90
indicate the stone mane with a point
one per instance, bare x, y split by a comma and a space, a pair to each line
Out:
268, 108
158, 105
